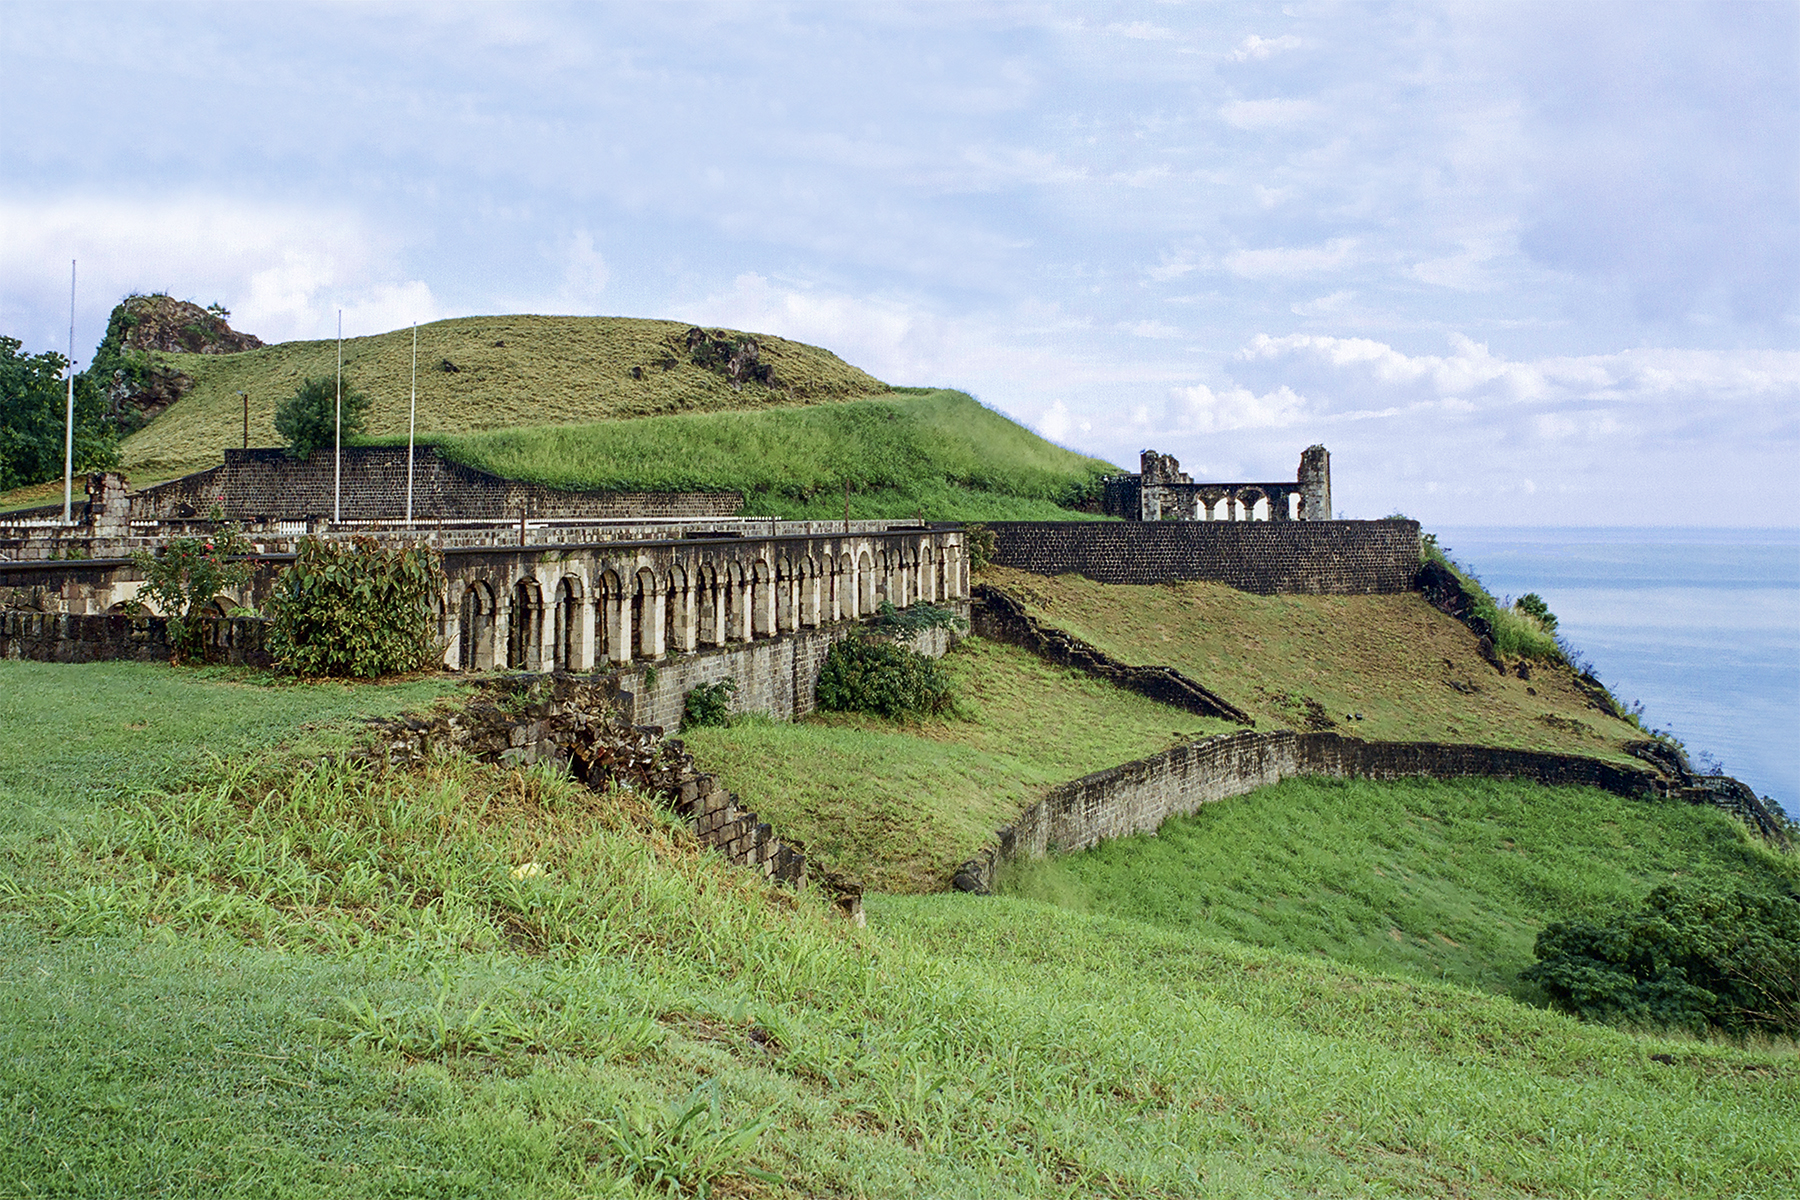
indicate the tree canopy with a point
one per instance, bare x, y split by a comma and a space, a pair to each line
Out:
32, 400
308, 418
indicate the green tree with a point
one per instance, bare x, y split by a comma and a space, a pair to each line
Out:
308, 418
33, 397
357, 609
185, 575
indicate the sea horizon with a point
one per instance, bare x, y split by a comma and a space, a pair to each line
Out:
1700, 625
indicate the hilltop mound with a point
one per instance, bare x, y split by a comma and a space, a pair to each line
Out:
128, 366
485, 373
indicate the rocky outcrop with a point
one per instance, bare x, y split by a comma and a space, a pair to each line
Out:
137, 386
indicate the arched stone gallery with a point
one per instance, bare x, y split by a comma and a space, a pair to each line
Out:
579, 607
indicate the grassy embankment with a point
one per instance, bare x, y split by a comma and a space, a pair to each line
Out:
1436, 880
282, 982
553, 400
512, 372
1301, 661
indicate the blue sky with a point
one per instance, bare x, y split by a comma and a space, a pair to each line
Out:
1513, 264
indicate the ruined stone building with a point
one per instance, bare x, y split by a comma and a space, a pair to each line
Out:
1162, 491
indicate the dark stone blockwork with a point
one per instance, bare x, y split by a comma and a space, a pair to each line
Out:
1265, 557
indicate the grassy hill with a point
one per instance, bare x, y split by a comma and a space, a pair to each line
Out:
1298, 662
511, 371
266, 978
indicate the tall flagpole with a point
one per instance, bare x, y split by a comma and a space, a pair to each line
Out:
412, 419
337, 469
69, 424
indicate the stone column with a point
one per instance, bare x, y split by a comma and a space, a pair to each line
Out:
1314, 481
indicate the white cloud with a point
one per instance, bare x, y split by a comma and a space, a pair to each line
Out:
1141, 31
1291, 260
1199, 409
1323, 305
584, 274
283, 271
1254, 47
1056, 422
1268, 114
1151, 329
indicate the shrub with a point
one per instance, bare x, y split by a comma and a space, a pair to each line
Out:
308, 418
187, 574
881, 676
1517, 633
981, 543
357, 609
1687, 958
1532, 605
905, 624
708, 704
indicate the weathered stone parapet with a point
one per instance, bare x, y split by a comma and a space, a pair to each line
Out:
1139, 796
1162, 491
70, 638
1265, 557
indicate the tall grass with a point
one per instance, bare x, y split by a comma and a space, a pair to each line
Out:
1438, 880
330, 982
936, 450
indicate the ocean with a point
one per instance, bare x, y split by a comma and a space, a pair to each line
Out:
1700, 626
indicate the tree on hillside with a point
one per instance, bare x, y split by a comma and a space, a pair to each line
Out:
32, 414
308, 418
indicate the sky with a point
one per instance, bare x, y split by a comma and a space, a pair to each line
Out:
1513, 264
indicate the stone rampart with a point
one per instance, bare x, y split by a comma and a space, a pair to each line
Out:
1265, 557
1139, 796
253, 484
75, 638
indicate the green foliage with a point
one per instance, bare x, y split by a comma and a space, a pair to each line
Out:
879, 675
905, 624
308, 418
34, 418
1533, 606
684, 1145
188, 574
1687, 957
708, 704
1519, 634
357, 609
981, 543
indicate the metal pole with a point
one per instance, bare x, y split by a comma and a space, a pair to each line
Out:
412, 419
337, 469
69, 424
246, 396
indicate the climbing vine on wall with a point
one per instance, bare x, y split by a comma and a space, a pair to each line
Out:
357, 609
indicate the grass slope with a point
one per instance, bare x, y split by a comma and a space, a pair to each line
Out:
900, 805
512, 371
1413, 673
931, 451
1438, 880
282, 982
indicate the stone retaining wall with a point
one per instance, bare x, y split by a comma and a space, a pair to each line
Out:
71, 638
1139, 796
1265, 557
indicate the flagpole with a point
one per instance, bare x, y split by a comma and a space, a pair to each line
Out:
69, 424
337, 470
412, 419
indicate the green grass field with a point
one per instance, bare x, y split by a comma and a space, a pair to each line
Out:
933, 452
899, 805
1439, 880
1291, 661
512, 372
261, 979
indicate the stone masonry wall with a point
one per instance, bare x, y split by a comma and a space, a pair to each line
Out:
1139, 796
70, 638
1265, 557
267, 483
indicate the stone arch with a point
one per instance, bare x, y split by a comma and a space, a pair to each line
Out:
843, 589
811, 601
678, 609
867, 585
476, 627
523, 652
928, 589
762, 599
709, 609
570, 648
737, 603
614, 633
647, 614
